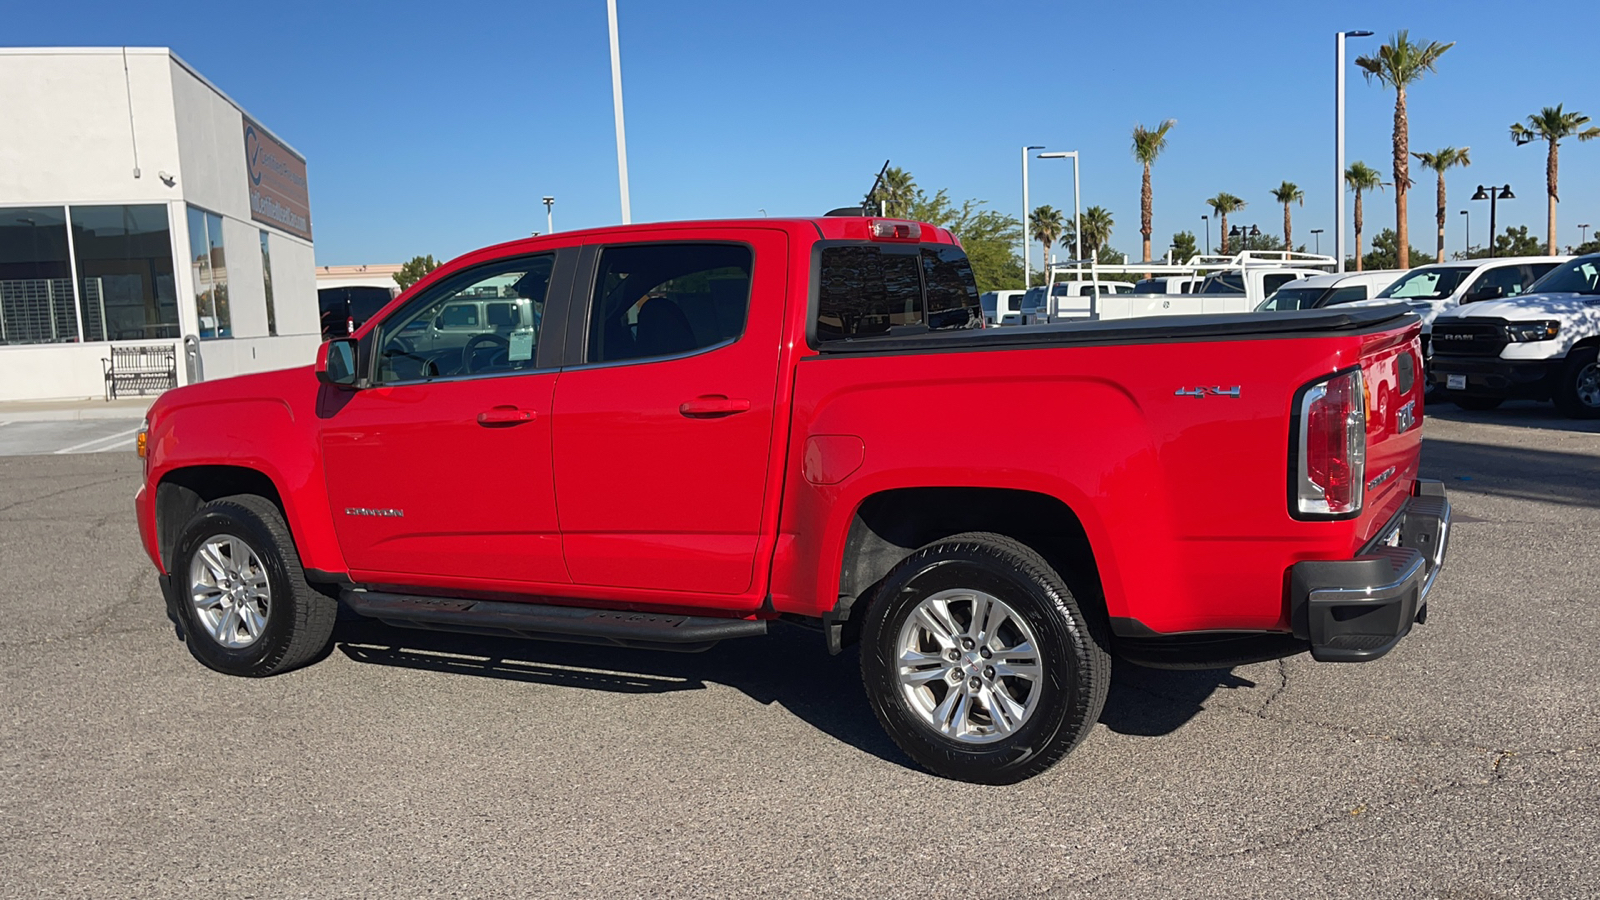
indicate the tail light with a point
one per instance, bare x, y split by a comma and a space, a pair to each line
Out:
1331, 448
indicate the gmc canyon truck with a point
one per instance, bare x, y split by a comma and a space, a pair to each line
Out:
665, 436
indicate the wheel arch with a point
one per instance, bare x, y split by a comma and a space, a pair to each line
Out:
890, 525
181, 492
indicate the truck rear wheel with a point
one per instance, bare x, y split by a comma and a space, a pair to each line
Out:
246, 606
1578, 394
979, 662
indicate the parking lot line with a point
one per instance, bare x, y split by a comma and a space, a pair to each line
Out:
117, 446
77, 447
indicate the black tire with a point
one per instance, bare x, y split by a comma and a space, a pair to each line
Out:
1477, 403
1072, 655
1577, 382
299, 619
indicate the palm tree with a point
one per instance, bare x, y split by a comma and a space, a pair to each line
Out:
896, 191
1222, 204
1361, 178
1045, 223
1399, 64
1438, 162
1096, 225
1288, 193
1147, 145
1551, 124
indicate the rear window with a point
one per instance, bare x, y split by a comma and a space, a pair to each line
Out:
867, 289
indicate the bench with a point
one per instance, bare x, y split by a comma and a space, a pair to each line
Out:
141, 370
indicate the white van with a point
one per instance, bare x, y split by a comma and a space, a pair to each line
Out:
1318, 291
1001, 307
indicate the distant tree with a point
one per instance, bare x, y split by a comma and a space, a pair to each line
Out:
413, 271
1046, 223
1550, 125
1385, 252
1223, 204
988, 237
1288, 193
1515, 242
897, 191
1590, 246
1184, 247
1361, 178
1147, 145
1439, 162
1399, 64
1096, 225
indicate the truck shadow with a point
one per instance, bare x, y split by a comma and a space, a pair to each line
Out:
1515, 413
1524, 473
789, 667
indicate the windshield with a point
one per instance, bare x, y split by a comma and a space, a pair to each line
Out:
1293, 298
1428, 284
1581, 276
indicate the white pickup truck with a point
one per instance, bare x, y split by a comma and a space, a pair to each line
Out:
1231, 283
1540, 345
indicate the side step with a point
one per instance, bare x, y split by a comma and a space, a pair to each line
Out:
619, 628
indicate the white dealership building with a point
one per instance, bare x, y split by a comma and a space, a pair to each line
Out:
140, 207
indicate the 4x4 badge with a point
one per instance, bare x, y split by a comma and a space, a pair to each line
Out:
1203, 391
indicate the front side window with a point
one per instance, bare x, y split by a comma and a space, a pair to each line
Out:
1427, 284
36, 298
1286, 299
1224, 283
655, 300
448, 332
1348, 294
209, 264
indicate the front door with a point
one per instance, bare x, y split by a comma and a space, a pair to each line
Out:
663, 434
442, 467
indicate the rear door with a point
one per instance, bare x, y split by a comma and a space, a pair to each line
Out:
664, 430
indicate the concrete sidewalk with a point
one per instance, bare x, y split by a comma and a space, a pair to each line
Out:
73, 410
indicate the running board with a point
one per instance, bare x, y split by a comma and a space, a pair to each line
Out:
619, 628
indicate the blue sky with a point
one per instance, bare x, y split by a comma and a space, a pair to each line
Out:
435, 128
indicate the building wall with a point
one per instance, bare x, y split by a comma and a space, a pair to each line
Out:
182, 126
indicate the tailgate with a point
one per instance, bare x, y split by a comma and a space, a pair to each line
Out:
1393, 382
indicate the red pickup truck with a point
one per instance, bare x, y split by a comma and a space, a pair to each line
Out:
669, 435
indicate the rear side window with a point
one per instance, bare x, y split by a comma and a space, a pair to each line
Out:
1349, 294
654, 300
865, 290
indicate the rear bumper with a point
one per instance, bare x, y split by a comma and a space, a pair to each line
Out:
1495, 377
1357, 610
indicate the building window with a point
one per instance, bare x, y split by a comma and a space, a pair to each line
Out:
210, 267
36, 298
266, 283
124, 256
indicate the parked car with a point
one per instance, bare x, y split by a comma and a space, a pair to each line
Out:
1168, 284
1069, 300
1436, 287
1539, 345
1002, 307
1317, 291
724, 423
1236, 289
346, 307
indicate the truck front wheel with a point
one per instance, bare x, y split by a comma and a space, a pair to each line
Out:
1578, 394
246, 606
979, 662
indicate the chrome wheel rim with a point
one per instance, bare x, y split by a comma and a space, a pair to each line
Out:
969, 666
229, 591
1588, 385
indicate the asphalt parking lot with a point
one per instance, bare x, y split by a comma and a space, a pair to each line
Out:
1463, 765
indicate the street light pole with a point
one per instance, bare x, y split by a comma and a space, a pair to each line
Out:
1494, 195
1468, 214
616, 103
1026, 211
549, 219
1318, 233
1207, 220
1338, 143
1077, 232
1583, 234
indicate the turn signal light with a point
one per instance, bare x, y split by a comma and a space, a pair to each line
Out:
882, 230
1331, 457
142, 443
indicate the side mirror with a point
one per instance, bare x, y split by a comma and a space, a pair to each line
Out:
336, 363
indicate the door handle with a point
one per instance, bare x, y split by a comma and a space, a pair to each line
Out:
714, 406
505, 415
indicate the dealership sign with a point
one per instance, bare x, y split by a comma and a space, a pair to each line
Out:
278, 194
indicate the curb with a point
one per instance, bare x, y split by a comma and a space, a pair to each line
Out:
68, 414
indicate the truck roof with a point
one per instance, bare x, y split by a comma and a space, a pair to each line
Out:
827, 228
